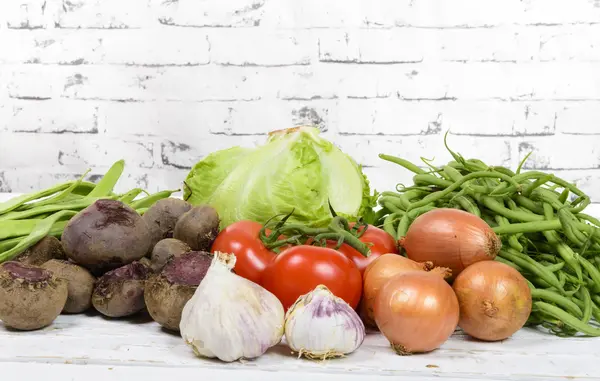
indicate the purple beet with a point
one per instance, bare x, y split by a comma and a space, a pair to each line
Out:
167, 292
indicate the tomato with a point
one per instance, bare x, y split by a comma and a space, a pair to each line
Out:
299, 269
383, 243
242, 239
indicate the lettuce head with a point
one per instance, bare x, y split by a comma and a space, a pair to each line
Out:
295, 169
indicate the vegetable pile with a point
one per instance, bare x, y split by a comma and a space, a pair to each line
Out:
546, 236
285, 242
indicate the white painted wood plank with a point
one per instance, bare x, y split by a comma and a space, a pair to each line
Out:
96, 341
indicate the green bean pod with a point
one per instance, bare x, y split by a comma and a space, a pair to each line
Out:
567, 318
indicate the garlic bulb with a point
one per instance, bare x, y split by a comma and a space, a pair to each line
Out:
320, 325
230, 317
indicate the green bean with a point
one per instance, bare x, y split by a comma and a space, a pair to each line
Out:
82, 203
406, 164
480, 165
380, 214
42, 228
56, 198
536, 184
512, 239
10, 229
427, 179
21, 228
408, 217
523, 162
587, 304
495, 206
533, 267
591, 270
389, 194
509, 263
438, 195
589, 218
548, 257
567, 318
388, 204
562, 279
128, 197
540, 282
407, 197
595, 310
564, 196
555, 267
504, 170
555, 298
529, 204
453, 173
569, 227
8, 244
388, 224
520, 178
109, 180
16, 202
151, 199
84, 188
563, 250
467, 203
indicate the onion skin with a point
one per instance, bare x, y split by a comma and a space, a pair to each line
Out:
417, 312
494, 299
380, 271
450, 238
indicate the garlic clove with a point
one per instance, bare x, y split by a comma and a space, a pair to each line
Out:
320, 325
229, 317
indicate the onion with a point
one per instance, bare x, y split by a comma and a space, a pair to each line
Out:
417, 312
494, 300
381, 270
450, 238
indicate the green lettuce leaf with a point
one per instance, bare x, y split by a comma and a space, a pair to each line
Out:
295, 169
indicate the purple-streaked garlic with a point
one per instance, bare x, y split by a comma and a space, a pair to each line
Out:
230, 317
320, 325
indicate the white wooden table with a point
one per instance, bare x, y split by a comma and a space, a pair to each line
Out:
90, 347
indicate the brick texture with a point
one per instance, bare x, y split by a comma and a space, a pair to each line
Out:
162, 83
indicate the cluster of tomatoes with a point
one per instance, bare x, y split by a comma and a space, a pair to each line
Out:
297, 270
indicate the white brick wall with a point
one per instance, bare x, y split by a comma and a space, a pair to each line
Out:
161, 83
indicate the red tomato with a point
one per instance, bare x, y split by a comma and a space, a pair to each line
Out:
299, 269
241, 238
383, 243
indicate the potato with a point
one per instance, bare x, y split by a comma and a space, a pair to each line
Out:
120, 292
30, 297
106, 235
162, 217
167, 293
198, 227
80, 284
46, 249
165, 250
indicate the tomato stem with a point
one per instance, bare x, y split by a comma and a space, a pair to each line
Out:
296, 234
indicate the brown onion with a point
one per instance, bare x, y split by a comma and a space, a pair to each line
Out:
380, 271
417, 312
494, 300
450, 238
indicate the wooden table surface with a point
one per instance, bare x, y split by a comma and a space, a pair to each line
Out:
93, 348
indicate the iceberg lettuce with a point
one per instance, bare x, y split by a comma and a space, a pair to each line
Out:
295, 169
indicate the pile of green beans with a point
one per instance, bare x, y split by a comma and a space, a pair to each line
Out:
26, 219
539, 216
